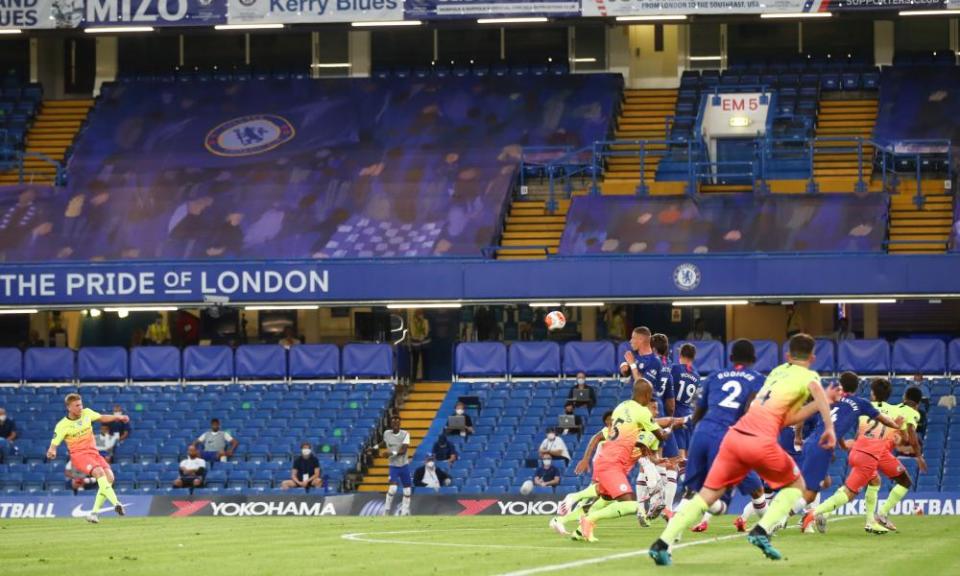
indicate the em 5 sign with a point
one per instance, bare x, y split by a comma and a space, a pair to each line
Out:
739, 103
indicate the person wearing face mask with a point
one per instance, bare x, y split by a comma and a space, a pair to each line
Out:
305, 472
445, 451
430, 476
553, 446
460, 410
578, 420
8, 433
547, 475
119, 428
581, 384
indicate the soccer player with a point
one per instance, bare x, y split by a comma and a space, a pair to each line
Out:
724, 397
871, 452
77, 429
669, 450
575, 504
397, 442
635, 435
847, 409
686, 386
751, 444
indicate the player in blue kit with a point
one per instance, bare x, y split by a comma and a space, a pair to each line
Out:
686, 387
668, 468
724, 397
846, 409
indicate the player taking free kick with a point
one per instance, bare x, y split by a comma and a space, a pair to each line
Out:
77, 429
751, 444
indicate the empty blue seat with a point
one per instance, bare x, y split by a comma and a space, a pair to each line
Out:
864, 356
48, 365
102, 364
919, 356
207, 363
314, 361
478, 359
260, 362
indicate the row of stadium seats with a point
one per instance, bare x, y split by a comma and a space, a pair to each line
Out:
477, 70
925, 58
821, 80
211, 363
802, 63
18, 106
876, 356
269, 421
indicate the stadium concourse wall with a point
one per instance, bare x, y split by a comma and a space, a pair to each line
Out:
337, 281
366, 504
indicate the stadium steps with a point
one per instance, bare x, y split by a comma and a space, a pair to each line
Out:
923, 230
416, 415
643, 116
835, 164
531, 231
52, 133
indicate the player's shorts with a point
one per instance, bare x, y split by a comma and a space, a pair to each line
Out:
401, 475
682, 437
86, 461
704, 446
865, 465
611, 480
814, 464
670, 448
739, 453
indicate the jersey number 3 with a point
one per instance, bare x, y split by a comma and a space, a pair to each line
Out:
733, 389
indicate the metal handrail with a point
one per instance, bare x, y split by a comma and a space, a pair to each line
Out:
19, 157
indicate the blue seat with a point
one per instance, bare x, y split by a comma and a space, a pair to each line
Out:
208, 363
923, 356
367, 361
864, 356
481, 359
102, 364
49, 365
11, 365
534, 359
591, 358
155, 363
260, 362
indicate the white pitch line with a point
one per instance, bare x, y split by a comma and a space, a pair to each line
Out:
624, 555
365, 537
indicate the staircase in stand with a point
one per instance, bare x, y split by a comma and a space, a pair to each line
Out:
925, 230
51, 134
642, 117
417, 412
835, 164
531, 231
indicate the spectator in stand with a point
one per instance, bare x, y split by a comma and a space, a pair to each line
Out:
553, 446
193, 469
843, 331
106, 441
429, 476
35, 341
461, 410
305, 472
794, 321
120, 429
617, 325
699, 332
289, 339
444, 451
158, 333
77, 480
582, 385
8, 433
547, 475
578, 426
419, 339
215, 443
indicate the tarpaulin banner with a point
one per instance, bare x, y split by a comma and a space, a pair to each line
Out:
444, 9
40, 14
664, 7
44, 506
312, 11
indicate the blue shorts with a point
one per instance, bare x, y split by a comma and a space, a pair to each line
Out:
401, 475
703, 449
682, 437
670, 449
815, 464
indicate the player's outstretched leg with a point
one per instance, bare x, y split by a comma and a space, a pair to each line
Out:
896, 495
778, 509
104, 492
686, 516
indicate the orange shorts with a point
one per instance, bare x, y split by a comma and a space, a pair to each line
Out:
611, 480
740, 453
864, 466
86, 461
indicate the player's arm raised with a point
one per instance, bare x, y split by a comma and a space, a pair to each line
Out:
108, 418
584, 464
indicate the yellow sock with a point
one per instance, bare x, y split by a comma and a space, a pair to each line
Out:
106, 489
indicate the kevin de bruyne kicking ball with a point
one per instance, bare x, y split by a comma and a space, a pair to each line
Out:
77, 429
751, 444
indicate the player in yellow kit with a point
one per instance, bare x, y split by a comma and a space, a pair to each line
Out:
636, 435
77, 429
576, 504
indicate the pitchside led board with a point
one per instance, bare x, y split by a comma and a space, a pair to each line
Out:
731, 123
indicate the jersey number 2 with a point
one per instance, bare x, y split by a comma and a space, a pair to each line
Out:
733, 390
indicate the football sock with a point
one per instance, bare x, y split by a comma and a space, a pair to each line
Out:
685, 517
616, 509
896, 495
870, 498
838, 499
779, 508
670, 490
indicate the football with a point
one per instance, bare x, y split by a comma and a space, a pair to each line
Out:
555, 320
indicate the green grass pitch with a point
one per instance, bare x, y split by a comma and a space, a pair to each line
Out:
927, 545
